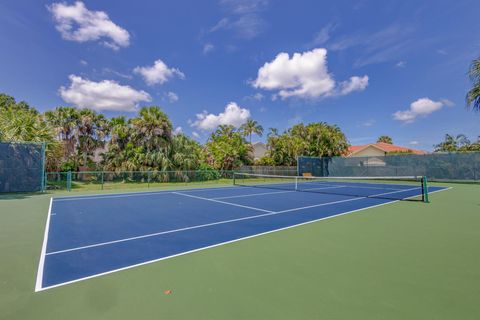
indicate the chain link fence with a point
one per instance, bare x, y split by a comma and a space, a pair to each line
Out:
455, 167
22, 167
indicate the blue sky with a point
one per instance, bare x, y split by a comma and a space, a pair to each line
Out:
371, 67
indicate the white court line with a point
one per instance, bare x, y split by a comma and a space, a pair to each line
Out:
269, 213
222, 243
340, 201
222, 202
160, 233
252, 195
41, 263
275, 192
139, 194
354, 186
336, 187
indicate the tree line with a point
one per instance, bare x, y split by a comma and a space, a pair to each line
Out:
83, 139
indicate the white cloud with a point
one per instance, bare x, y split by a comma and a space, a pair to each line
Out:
171, 96
389, 43
232, 115
76, 23
257, 97
243, 18
448, 103
245, 6
443, 52
178, 130
208, 47
159, 73
246, 26
108, 71
222, 24
401, 64
103, 95
322, 36
421, 107
353, 84
83, 62
195, 135
304, 75
414, 142
368, 123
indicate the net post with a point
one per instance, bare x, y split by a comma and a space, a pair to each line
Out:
296, 183
425, 189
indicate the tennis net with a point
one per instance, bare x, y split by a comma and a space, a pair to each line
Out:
411, 188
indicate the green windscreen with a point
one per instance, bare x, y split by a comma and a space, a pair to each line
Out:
436, 166
21, 167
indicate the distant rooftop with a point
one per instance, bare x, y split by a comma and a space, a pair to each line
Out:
385, 147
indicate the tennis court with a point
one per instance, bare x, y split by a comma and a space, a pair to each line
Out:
89, 236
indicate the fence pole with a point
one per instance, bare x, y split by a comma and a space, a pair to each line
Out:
102, 179
44, 147
69, 181
148, 179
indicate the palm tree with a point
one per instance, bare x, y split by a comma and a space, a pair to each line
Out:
452, 143
185, 153
91, 131
473, 96
385, 139
65, 121
250, 127
272, 132
24, 125
153, 129
225, 130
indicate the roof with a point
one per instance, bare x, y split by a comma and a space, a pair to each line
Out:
385, 147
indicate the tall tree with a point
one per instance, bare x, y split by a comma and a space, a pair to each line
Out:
21, 123
473, 95
65, 121
91, 131
250, 127
385, 139
453, 143
142, 143
185, 153
6, 101
227, 149
314, 139
153, 128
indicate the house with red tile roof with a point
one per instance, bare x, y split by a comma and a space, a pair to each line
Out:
379, 149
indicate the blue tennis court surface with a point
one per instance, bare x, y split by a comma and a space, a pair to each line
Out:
87, 236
